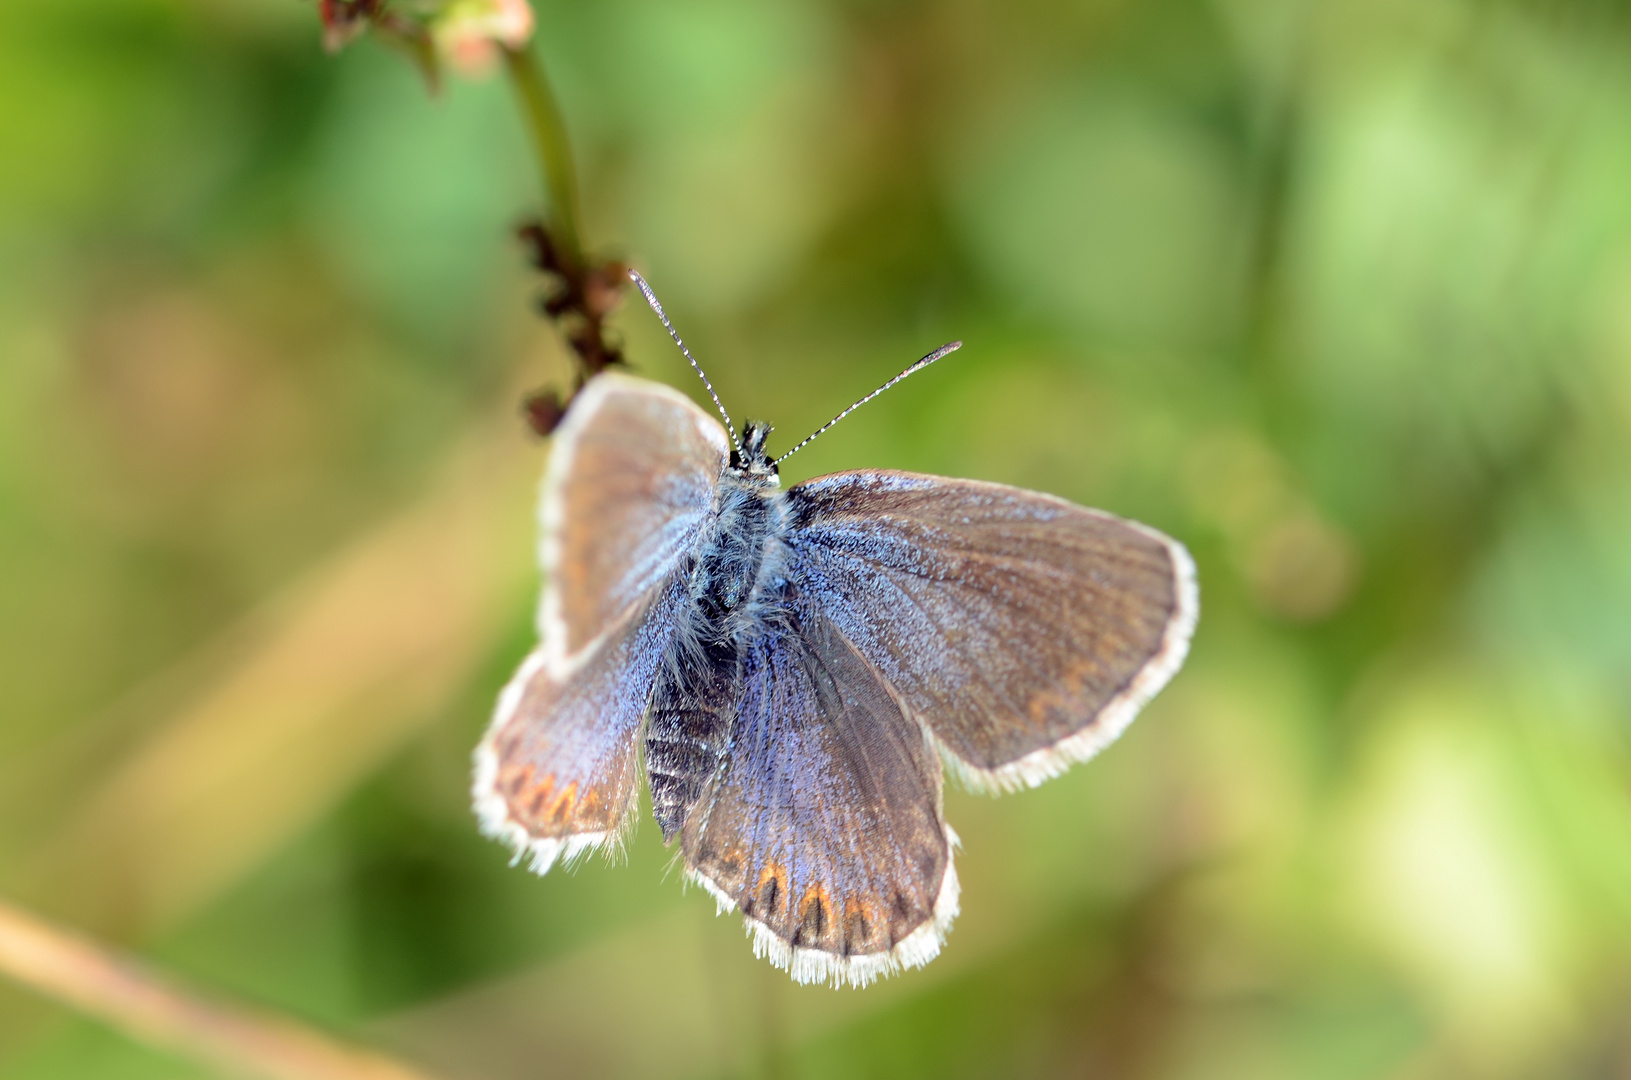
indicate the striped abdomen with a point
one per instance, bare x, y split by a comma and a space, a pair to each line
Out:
694, 703
687, 728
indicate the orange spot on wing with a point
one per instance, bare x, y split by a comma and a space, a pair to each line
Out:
561, 808
815, 915
771, 891
859, 924
530, 798
516, 780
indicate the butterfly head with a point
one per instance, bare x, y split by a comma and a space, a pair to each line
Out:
752, 461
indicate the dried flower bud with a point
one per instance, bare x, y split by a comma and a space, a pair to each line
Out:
603, 287
540, 247
543, 411
344, 20
468, 33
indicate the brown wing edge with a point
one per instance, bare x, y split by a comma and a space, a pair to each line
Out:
493, 810
818, 966
1040, 766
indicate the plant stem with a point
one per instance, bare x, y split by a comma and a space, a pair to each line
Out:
554, 151
127, 995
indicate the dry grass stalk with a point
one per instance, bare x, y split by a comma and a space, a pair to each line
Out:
132, 998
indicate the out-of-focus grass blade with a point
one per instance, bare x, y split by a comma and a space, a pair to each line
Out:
152, 1009
349, 663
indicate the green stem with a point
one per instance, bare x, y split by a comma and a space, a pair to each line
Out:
554, 151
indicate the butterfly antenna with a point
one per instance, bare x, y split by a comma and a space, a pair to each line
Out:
651, 298
949, 347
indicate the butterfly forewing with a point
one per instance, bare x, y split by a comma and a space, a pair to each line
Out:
824, 826
632, 477
1024, 630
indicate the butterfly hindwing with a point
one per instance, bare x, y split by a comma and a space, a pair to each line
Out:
558, 769
1024, 630
824, 825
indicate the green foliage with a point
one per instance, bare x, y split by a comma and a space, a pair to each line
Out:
1339, 294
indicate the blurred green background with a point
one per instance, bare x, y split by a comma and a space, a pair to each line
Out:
1338, 293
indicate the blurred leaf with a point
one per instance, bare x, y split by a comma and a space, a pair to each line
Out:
1339, 294
1453, 872
1108, 213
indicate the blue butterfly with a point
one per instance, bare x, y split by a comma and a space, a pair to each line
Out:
794, 666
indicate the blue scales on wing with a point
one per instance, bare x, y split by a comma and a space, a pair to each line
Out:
824, 826
1024, 630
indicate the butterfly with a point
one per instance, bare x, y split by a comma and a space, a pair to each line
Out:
791, 670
